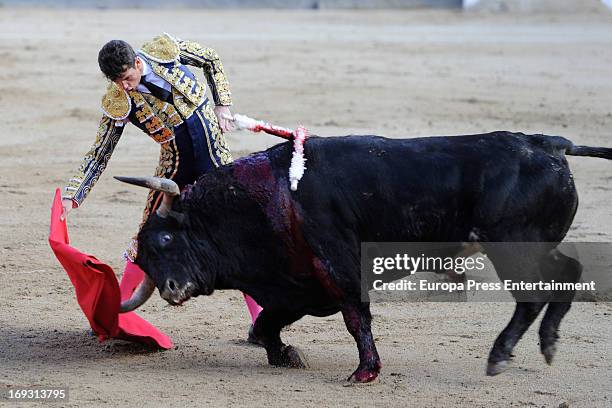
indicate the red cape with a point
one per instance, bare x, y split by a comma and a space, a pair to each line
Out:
97, 289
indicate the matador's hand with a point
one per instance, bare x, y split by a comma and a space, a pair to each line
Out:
67, 206
223, 113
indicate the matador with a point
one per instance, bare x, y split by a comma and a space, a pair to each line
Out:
154, 90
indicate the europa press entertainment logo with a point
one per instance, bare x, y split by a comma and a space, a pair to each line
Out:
429, 271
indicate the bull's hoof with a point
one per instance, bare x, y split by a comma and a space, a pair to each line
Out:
293, 357
498, 367
549, 353
363, 377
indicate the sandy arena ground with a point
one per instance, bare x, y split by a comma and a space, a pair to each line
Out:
399, 74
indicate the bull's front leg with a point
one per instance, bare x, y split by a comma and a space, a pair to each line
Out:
267, 329
358, 320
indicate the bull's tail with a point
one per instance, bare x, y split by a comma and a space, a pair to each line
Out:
562, 145
603, 152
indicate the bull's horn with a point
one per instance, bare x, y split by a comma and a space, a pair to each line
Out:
139, 297
154, 183
166, 186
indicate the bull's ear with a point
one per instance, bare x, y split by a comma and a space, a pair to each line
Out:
180, 217
186, 192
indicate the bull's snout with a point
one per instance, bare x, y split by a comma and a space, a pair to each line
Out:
175, 294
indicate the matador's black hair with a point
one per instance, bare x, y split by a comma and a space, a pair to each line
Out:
115, 57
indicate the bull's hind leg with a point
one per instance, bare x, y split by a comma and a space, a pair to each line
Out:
524, 315
549, 328
267, 329
358, 322
561, 268
517, 262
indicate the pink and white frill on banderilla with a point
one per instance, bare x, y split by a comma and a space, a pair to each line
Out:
298, 135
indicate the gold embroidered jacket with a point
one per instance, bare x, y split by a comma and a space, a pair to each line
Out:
167, 57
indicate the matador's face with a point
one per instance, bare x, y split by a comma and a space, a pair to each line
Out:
130, 78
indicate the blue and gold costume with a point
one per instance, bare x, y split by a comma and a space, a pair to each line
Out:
182, 121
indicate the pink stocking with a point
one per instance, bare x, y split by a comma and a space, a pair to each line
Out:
132, 276
254, 308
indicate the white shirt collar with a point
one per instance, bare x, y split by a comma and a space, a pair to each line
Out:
146, 70
149, 75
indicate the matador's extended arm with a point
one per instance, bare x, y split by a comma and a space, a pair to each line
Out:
192, 53
95, 160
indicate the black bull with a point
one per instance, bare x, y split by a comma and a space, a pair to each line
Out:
298, 253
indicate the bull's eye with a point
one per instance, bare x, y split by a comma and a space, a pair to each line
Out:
165, 238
